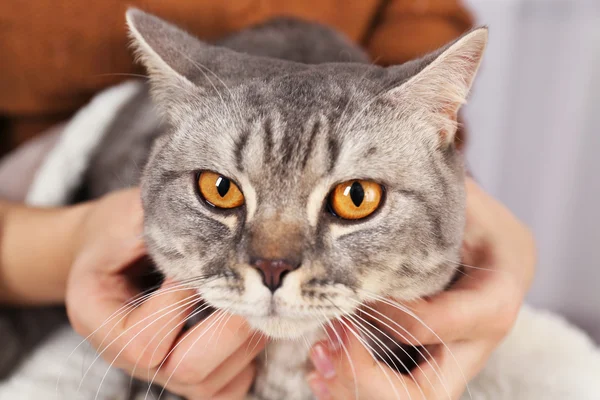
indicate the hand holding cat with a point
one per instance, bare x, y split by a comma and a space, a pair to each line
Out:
462, 325
144, 336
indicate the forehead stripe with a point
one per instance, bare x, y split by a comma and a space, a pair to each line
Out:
311, 143
334, 151
239, 149
268, 141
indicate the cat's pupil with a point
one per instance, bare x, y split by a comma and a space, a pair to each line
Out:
357, 193
223, 185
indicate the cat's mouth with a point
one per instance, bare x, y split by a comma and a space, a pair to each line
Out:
292, 311
282, 320
280, 327
277, 320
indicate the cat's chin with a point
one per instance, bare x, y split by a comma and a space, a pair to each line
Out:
284, 328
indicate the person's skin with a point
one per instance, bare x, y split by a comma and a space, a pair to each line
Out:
471, 318
103, 239
37, 247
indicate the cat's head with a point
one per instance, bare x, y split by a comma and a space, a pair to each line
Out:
295, 192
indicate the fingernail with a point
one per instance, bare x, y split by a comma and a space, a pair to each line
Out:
322, 361
318, 387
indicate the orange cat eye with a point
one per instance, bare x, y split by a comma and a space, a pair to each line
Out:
219, 191
355, 199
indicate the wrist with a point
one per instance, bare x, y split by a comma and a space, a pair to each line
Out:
39, 247
74, 221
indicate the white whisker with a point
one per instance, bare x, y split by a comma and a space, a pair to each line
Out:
370, 350
217, 319
188, 302
257, 342
177, 326
171, 351
131, 304
413, 315
381, 343
345, 350
429, 355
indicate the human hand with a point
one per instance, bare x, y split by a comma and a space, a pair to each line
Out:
144, 337
460, 327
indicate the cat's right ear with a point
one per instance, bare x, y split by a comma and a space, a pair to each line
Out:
165, 51
442, 83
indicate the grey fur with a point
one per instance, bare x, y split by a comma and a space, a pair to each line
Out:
286, 130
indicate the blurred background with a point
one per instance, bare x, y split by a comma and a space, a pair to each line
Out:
534, 125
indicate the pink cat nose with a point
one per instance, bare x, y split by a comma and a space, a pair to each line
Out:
273, 271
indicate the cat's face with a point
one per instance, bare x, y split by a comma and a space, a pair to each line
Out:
295, 197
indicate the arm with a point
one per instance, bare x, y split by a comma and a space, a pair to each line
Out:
36, 251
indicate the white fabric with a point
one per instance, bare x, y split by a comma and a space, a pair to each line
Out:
58, 370
62, 170
543, 358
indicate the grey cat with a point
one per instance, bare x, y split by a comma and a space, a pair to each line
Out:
289, 180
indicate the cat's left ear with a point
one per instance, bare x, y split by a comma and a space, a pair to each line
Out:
443, 82
172, 57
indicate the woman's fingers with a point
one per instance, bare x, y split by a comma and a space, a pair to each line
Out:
206, 373
223, 380
235, 364
357, 372
143, 334
204, 347
143, 340
457, 314
238, 387
445, 378
138, 335
455, 365
202, 364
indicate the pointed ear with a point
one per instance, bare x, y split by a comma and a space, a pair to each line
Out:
167, 52
442, 86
